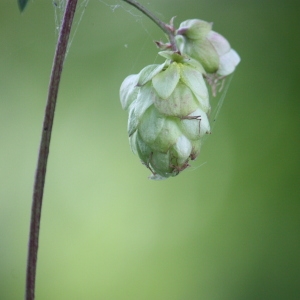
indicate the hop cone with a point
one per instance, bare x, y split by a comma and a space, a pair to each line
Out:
196, 39
168, 108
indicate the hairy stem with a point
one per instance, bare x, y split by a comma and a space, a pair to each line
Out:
44, 148
164, 27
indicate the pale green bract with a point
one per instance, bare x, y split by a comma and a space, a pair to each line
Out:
168, 108
196, 39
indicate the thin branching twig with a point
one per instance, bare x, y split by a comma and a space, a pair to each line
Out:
168, 29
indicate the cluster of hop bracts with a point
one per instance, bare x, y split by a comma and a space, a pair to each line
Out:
168, 102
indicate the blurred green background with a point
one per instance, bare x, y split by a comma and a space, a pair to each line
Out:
226, 228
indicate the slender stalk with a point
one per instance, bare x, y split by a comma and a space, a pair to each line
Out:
168, 29
44, 148
47, 130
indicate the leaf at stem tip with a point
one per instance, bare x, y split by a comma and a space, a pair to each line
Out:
22, 4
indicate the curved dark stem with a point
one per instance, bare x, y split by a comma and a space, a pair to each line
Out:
39, 183
168, 29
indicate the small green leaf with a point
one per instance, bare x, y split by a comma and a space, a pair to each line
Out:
149, 72
144, 100
132, 121
129, 90
22, 4
194, 80
165, 82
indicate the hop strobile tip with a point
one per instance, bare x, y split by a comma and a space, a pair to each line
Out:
196, 39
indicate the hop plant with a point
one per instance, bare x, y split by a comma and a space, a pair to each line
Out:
168, 104
168, 109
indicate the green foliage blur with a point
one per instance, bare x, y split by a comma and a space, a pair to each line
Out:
228, 228
22, 4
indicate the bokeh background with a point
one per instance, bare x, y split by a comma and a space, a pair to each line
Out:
226, 228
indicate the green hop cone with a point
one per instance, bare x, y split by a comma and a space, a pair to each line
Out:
196, 39
168, 108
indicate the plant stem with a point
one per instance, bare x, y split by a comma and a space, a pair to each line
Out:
169, 30
40, 175
44, 147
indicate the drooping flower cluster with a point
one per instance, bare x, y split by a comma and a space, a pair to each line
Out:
168, 104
